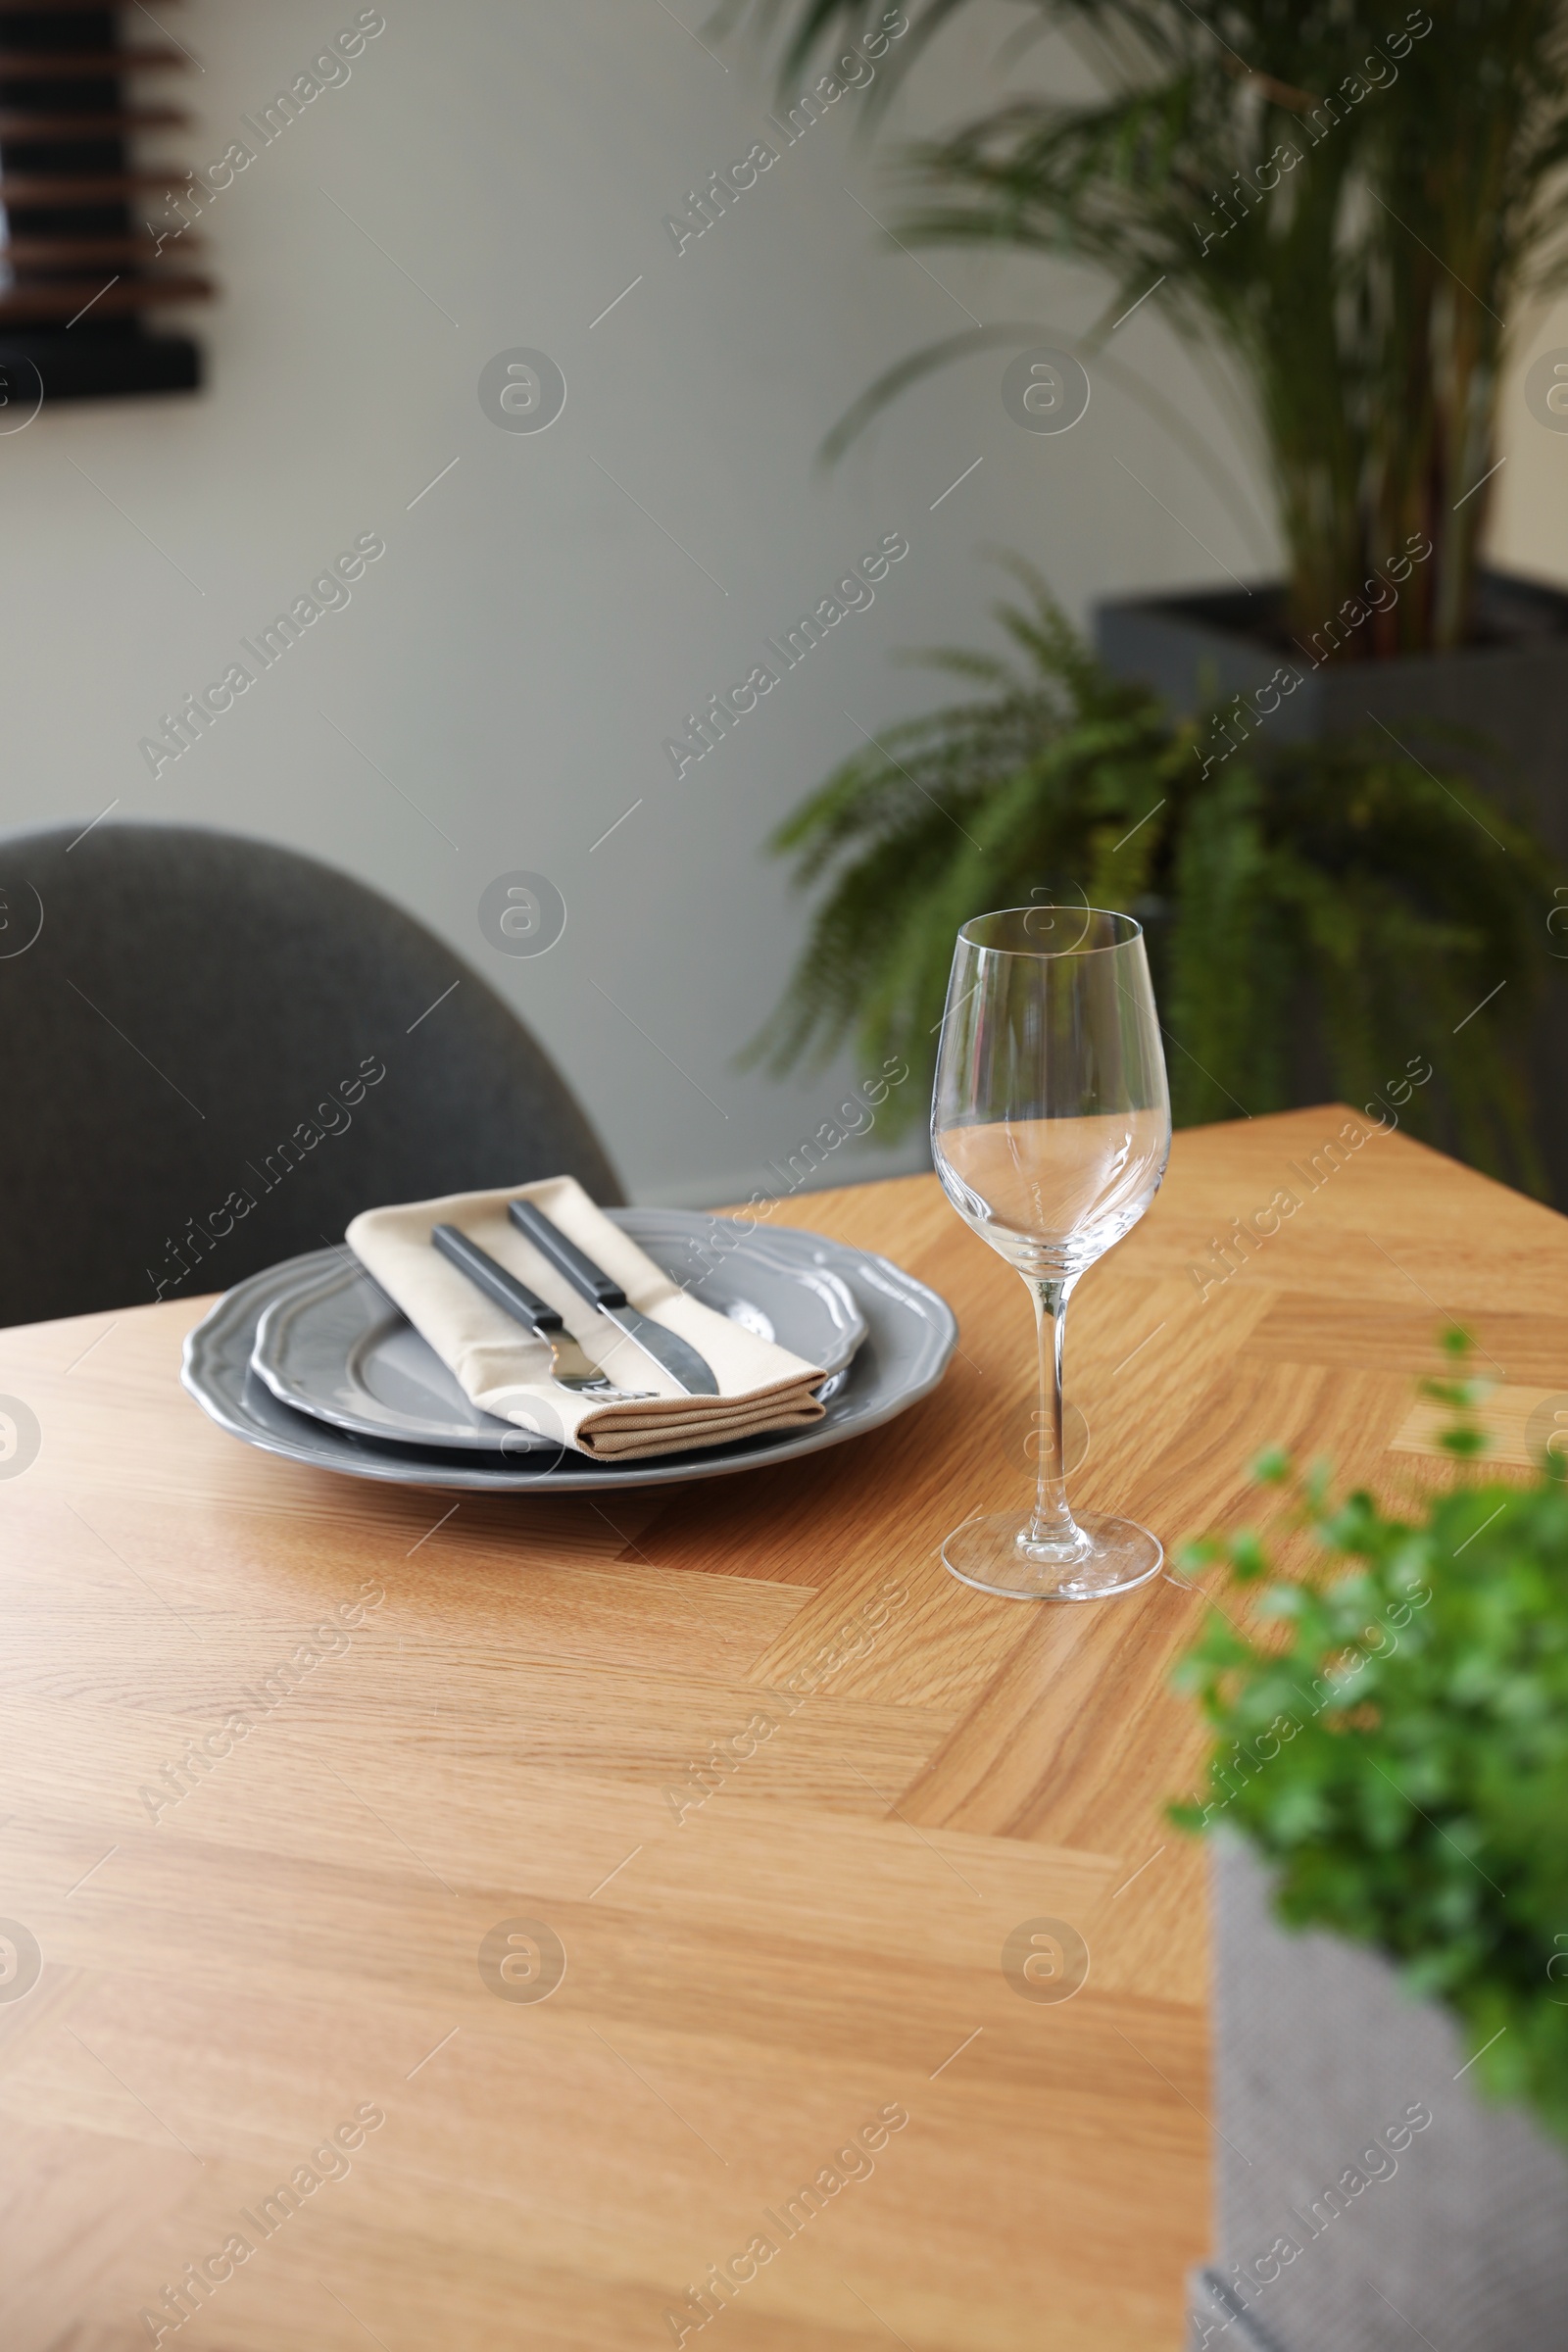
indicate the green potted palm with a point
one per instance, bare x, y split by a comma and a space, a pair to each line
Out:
1388, 1800
1350, 219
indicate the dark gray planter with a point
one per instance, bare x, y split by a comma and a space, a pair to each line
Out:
1457, 2232
1200, 649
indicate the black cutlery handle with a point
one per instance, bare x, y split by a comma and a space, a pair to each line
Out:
487, 1275
589, 1280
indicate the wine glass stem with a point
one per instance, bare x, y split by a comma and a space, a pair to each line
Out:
1052, 1522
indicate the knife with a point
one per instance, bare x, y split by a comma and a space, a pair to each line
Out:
675, 1355
570, 1367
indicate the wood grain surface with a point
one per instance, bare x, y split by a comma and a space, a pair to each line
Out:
514, 1717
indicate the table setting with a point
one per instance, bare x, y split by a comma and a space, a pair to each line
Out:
522, 1339
799, 1342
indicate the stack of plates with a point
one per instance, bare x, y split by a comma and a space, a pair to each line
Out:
312, 1360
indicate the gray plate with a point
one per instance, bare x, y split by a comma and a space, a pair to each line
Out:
335, 1346
910, 1333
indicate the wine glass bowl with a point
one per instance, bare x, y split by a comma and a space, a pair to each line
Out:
1050, 1131
1053, 1200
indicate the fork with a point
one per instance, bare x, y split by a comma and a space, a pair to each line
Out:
570, 1367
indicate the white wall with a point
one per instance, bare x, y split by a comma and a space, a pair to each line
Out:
1529, 493
514, 661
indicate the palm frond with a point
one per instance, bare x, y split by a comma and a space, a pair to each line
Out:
1353, 222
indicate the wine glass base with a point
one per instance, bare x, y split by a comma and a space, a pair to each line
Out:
992, 1553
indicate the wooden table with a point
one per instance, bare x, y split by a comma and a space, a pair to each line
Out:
512, 1720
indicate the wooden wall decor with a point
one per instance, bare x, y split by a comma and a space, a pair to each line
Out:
80, 268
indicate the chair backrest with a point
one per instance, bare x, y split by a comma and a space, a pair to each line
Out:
212, 1051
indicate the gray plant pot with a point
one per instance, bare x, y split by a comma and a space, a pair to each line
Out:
1457, 2232
1201, 649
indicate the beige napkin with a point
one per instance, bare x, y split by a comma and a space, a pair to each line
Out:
505, 1369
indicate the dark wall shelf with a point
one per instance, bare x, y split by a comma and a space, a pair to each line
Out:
80, 267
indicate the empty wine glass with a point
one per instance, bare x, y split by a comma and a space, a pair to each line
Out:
1051, 1130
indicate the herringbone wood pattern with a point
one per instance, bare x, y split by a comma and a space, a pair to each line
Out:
750, 1979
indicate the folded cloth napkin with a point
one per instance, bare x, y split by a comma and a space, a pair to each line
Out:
505, 1369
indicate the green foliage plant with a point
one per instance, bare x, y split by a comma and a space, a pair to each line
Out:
1395, 1748
1342, 890
1353, 207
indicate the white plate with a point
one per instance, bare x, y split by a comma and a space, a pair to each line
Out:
335, 1346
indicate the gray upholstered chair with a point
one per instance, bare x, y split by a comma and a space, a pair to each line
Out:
212, 1051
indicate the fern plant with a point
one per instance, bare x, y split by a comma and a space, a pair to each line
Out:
1354, 209
1335, 901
